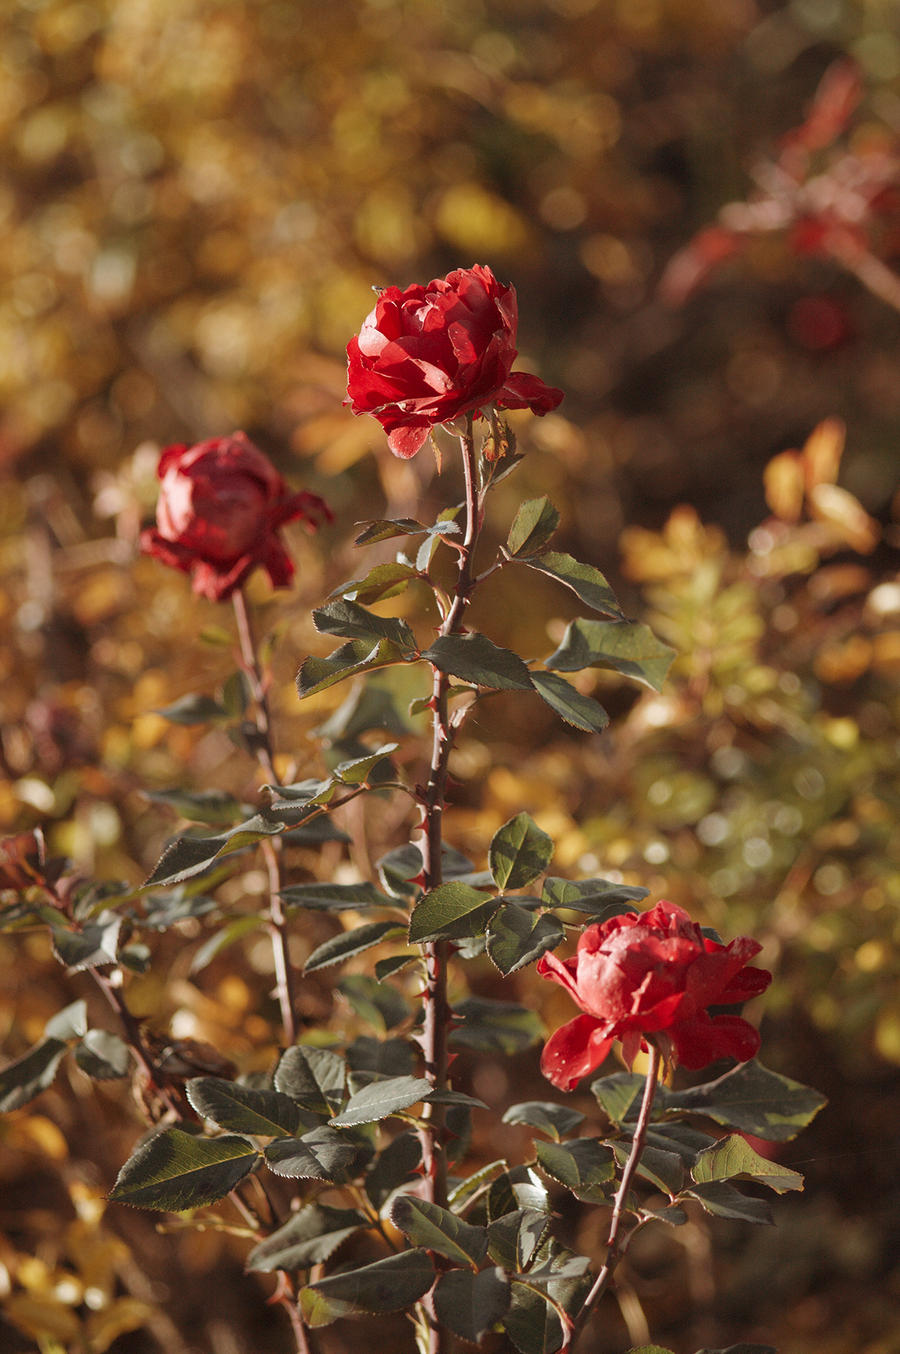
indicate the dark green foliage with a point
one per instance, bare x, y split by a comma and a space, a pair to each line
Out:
175, 1170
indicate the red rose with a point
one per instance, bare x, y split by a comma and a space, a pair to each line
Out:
426, 354
218, 515
653, 973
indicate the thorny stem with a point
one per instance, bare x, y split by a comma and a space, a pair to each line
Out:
270, 847
436, 1006
613, 1250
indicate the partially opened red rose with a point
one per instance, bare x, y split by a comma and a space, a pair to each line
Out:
426, 354
656, 974
220, 506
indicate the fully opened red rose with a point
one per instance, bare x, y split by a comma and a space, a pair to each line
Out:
219, 510
653, 974
426, 354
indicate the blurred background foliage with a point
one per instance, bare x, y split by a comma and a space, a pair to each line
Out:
198, 197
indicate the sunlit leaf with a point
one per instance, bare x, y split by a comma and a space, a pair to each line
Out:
93, 946
585, 1166
103, 1055
514, 1238
175, 1170
354, 622
629, 647
381, 1099
533, 525
314, 1077
585, 581
448, 912
385, 580
25, 1078
733, 1158
359, 655
357, 770
321, 1154
600, 898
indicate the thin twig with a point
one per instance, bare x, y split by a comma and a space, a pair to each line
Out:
134, 1037
613, 1251
270, 847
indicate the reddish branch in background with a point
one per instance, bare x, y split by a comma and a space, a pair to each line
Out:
826, 198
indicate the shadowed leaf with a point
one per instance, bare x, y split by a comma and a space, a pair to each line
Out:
388, 1285
437, 1229
519, 852
753, 1100
348, 943
554, 1120
475, 658
309, 1237
516, 937
471, 1304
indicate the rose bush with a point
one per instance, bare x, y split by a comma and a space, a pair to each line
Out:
426, 354
651, 974
218, 514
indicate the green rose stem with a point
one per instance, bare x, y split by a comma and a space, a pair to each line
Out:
436, 1021
613, 1251
270, 847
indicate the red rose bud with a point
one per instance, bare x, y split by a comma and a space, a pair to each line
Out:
426, 354
219, 510
651, 974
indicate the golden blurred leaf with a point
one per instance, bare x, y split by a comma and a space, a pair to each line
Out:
822, 452
783, 479
41, 1317
106, 1325
840, 510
